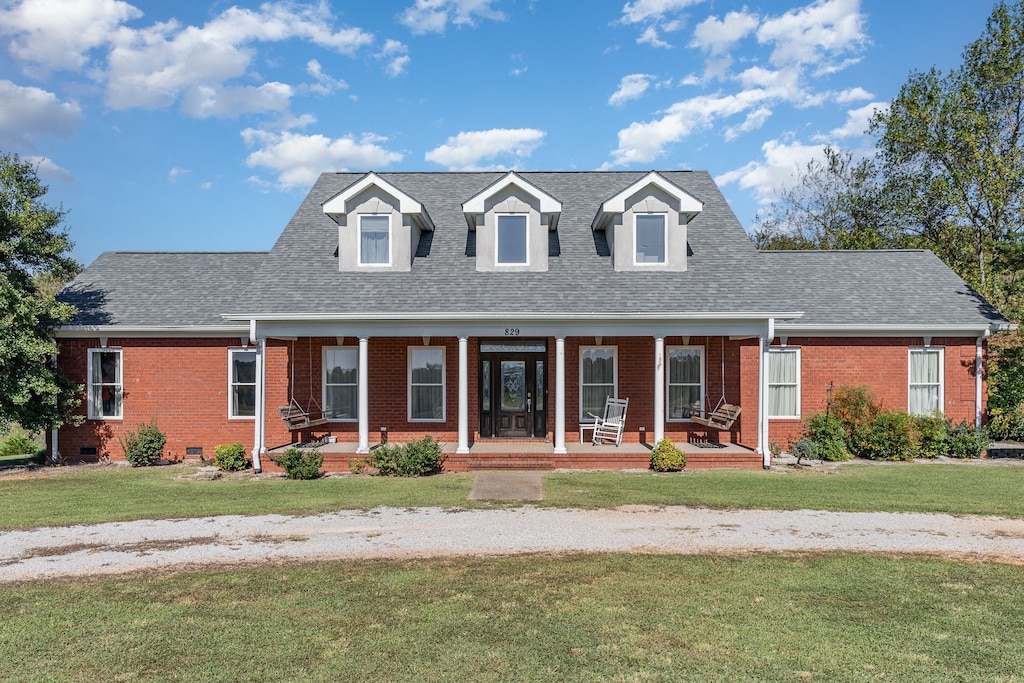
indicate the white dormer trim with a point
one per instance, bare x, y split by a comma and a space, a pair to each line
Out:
337, 206
686, 204
475, 206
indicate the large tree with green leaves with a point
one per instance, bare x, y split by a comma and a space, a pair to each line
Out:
34, 254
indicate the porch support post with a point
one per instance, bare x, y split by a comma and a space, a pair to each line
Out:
463, 446
54, 449
560, 395
762, 400
979, 371
364, 396
659, 389
259, 438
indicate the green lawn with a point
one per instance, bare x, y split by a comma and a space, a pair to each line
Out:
528, 618
98, 495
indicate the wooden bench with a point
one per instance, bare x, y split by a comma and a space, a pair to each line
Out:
296, 418
721, 417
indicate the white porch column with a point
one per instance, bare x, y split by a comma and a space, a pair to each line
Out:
979, 370
463, 446
659, 389
364, 396
259, 446
560, 395
762, 401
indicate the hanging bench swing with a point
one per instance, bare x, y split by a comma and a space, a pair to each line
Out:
724, 414
293, 414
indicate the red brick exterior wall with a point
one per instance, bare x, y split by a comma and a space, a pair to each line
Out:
183, 384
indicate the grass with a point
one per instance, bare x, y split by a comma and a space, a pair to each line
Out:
116, 494
528, 618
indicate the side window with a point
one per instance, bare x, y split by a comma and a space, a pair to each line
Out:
784, 383
925, 390
649, 238
512, 239
426, 384
242, 383
105, 384
374, 240
685, 382
341, 383
598, 379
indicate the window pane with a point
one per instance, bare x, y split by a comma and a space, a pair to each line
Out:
650, 238
683, 401
782, 367
342, 402
243, 367
598, 367
486, 382
342, 366
106, 400
782, 401
513, 384
924, 367
427, 403
511, 239
594, 397
539, 379
373, 239
923, 400
684, 366
427, 366
106, 367
244, 401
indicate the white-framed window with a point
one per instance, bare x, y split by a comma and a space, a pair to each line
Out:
784, 383
598, 379
649, 238
374, 240
426, 384
106, 385
925, 390
241, 383
513, 239
685, 378
341, 383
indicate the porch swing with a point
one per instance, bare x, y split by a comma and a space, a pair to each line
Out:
293, 414
724, 414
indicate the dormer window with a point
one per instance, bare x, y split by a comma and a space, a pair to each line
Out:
649, 238
374, 240
513, 239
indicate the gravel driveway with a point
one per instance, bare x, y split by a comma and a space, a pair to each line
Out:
397, 533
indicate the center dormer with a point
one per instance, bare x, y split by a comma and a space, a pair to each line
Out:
512, 219
379, 226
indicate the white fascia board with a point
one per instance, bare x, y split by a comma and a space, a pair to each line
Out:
798, 330
476, 203
76, 331
688, 205
493, 315
337, 205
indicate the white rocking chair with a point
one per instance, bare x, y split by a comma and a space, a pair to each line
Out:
609, 427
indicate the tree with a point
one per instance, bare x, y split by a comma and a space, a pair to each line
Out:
34, 254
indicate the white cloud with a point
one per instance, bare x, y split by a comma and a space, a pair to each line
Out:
643, 11
299, 159
466, 151
754, 120
857, 121
397, 55
716, 36
177, 172
57, 34
857, 94
631, 87
325, 84
780, 167
433, 16
650, 36
815, 33
29, 111
48, 169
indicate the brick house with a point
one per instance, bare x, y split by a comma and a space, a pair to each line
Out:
496, 311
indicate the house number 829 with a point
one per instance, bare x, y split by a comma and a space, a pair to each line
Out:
511, 331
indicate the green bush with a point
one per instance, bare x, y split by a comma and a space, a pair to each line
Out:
932, 435
855, 406
804, 450
144, 447
667, 458
18, 444
298, 464
230, 457
828, 437
891, 437
965, 441
414, 459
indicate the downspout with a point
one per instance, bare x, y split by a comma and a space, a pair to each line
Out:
762, 396
54, 450
979, 370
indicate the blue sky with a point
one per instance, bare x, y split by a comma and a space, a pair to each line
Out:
198, 126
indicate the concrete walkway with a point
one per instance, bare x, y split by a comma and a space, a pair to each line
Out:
508, 485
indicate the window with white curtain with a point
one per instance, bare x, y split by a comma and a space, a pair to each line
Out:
341, 383
784, 383
105, 384
685, 382
597, 379
242, 380
374, 240
426, 384
925, 391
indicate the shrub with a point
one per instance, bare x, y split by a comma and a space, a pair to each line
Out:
413, 459
230, 457
144, 447
828, 437
891, 437
667, 458
775, 450
299, 464
804, 450
18, 444
931, 434
966, 441
856, 408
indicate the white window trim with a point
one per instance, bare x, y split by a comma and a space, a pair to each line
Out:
359, 240
231, 385
941, 351
444, 383
668, 382
769, 384
664, 237
90, 406
615, 367
323, 382
497, 229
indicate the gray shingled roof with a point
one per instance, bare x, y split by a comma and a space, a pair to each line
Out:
161, 289
726, 274
882, 287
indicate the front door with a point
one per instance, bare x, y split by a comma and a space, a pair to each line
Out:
515, 397
512, 389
